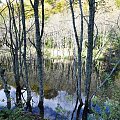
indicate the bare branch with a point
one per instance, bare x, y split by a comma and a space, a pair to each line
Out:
5, 7
30, 28
32, 4
32, 43
74, 25
12, 45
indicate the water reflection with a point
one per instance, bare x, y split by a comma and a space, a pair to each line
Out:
3, 99
59, 106
59, 87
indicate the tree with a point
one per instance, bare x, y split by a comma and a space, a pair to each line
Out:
89, 58
24, 58
79, 46
89, 54
38, 47
14, 48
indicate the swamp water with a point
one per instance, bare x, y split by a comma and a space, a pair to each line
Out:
59, 88
57, 108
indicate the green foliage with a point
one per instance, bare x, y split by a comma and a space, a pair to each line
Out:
54, 6
16, 114
115, 90
10, 114
114, 110
111, 106
49, 43
59, 109
59, 6
117, 3
51, 2
47, 53
69, 97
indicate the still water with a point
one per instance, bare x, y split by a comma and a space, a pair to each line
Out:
59, 87
59, 107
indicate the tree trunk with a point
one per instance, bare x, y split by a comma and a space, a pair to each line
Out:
89, 56
39, 53
14, 51
28, 104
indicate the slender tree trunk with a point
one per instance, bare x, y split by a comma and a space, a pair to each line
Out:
39, 53
89, 56
80, 52
24, 59
79, 46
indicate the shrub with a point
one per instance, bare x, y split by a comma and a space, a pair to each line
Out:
117, 2
17, 114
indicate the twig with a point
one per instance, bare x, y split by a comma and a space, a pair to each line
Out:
32, 43
32, 4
